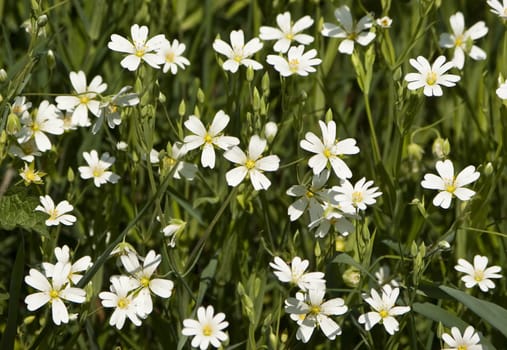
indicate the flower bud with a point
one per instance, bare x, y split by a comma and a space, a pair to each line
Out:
182, 108
444, 245
441, 148
51, 60
161, 97
42, 21
265, 84
488, 169
13, 124
200, 95
270, 131
256, 99
352, 277
70, 175
3, 75
339, 244
249, 74
415, 151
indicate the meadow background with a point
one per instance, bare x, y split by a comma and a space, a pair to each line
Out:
222, 256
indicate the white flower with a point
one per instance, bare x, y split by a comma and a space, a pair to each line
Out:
97, 168
329, 150
297, 62
46, 120
310, 310
478, 274
209, 138
295, 274
501, 92
53, 292
309, 197
288, 32
140, 48
63, 257
450, 185
349, 31
207, 329
270, 131
468, 341
143, 277
358, 196
238, 52
57, 215
176, 152
172, 56
30, 175
20, 106
333, 215
122, 300
26, 151
251, 164
172, 230
84, 98
385, 310
431, 77
497, 8
462, 40
383, 276
384, 22
111, 110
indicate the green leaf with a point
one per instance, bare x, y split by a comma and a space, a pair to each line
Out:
492, 313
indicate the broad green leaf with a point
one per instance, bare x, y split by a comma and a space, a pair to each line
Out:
17, 211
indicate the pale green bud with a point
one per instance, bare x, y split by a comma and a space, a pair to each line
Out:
3, 75
70, 175
415, 151
441, 148
488, 169
270, 131
339, 244
182, 108
265, 84
13, 124
317, 251
197, 112
51, 60
444, 245
200, 95
329, 115
249, 74
161, 97
351, 277
256, 99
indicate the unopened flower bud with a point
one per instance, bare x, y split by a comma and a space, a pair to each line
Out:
161, 97
351, 277
444, 245
3, 75
51, 60
249, 74
42, 21
200, 95
265, 84
488, 169
70, 175
415, 151
339, 244
13, 124
441, 148
182, 108
270, 131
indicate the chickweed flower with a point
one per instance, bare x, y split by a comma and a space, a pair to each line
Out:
478, 273
62, 255
251, 164
54, 292
20, 106
111, 110
288, 32
297, 62
431, 77
333, 215
172, 55
384, 22
238, 52
462, 40
359, 196
57, 215
450, 185
84, 98
385, 310
468, 341
310, 310
97, 168
329, 150
498, 8
208, 138
309, 197
30, 175
172, 230
349, 31
296, 275
139, 49
173, 156
207, 329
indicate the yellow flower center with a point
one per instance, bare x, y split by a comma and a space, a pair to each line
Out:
289, 36
145, 282
352, 36
315, 309
462, 347
207, 330
84, 100
479, 275
294, 65
53, 294
140, 52
97, 172
383, 313
357, 197
237, 57
327, 153
458, 41
53, 214
208, 138
30, 175
16, 109
123, 303
250, 164
112, 108
450, 185
169, 162
431, 78
169, 57
309, 194
384, 22
35, 126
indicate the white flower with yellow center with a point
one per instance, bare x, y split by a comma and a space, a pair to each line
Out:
430, 77
172, 55
309, 197
121, 298
209, 138
384, 22
139, 49
450, 185
84, 98
63, 257
207, 329
468, 341
478, 273
462, 40
385, 310
57, 215
296, 275
54, 292
329, 150
238, 52
20, 106
97, 168
498, 8
359, 196
30, 175
297, 62
251, 164
288, 32
111, 109
310, 310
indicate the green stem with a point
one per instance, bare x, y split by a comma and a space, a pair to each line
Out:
374, 142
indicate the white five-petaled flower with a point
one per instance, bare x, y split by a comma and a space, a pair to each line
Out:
468, 341
297, 62
310, 310
143, 277
174, 156
329, 150
121, 298
53, 292
251, 164
478, 273
288, 32
309, 197
207, 329
431, 77
57, 215
498, 8
349, 31
450, 185
20, 106
358, 196
385, 309
140, 48
111, 110
334, 215
462, 40
97, 168
238, 52
384, 22
296, 275
63, 257
46, 120
172, 55
208, 138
